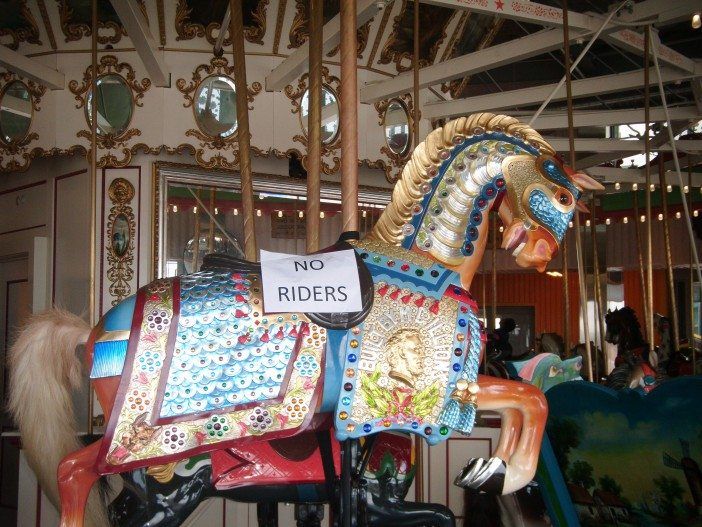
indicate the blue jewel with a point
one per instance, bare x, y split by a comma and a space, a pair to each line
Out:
456, 367
415, 425
462, 322
346, 401
367, 428
352, 357
457, 290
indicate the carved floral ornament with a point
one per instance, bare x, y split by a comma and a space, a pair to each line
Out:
15, 133
25, 28
111, 139
121, 234
189, 25
198, 95
330, 86
75, 22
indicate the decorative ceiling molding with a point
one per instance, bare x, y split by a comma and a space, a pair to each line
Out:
299, 29
458, 32
203, 18
399, 47
161, 22
381, 32
75, 20
295, 95
280, 17
25, 28
397, 161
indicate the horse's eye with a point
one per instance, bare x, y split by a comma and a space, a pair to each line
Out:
564, 198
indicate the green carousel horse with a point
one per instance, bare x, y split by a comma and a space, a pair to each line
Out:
193, 367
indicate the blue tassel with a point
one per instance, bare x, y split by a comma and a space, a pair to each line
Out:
108, 358
451, 413
466, 420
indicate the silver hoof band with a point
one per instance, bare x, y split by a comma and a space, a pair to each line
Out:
484, 476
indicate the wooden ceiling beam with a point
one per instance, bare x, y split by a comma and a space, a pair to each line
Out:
31, 69
137, 28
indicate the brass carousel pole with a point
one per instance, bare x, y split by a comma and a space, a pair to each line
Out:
418, 443
493, 306
668, 256
691, 337
647, 168
578, 240
314, 125
236, 31
639, 252
93, 189
599, 324
349, 117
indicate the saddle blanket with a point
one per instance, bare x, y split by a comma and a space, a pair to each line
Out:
205, 366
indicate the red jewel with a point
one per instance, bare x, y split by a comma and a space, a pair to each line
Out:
240, 298
391, 263
464, 309
293, 332
405, 299
383, 289
435, 308
405, 267
395, 294
239, 314
420, 301
154, 297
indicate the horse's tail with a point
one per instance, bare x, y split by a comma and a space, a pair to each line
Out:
44, 371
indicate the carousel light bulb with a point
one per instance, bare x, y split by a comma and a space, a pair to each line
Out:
502, 229
194, 210
570, 224
696, 21
363, 214
695, 213
686, 189
652, 187
635, 186
175, 208
608, 221
321, 214
669, 188
643, 218
280, 213
216, 211
660, 217
587, 223
258, 212
301, 214
617, 186
678, 215
625, 220
236, 212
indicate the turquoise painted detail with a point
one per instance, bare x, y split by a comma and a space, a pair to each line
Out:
108, 358
119, 318
556, 174
544, 211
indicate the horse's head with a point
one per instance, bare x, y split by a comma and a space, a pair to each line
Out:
542, 196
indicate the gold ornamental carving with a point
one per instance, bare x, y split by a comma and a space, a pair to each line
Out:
26, 29
108, 21
333, 84
108, 141
254, 30
121, 233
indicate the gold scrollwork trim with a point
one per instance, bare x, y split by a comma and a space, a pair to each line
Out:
333, 84
28, 33
120, 260
18, 148
77, 30
187, 30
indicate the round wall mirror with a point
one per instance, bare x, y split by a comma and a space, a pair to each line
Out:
330, 114
115, 105
215, 106
15, 112
397, 130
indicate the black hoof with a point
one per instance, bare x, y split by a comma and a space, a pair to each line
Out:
483, 475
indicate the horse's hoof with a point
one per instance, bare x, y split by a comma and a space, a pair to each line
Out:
485, 476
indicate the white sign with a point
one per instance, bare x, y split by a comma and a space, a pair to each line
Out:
319, 283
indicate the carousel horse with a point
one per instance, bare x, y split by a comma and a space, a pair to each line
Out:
194, 366
635, 366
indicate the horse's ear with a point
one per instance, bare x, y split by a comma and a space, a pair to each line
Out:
609, 311
585, 182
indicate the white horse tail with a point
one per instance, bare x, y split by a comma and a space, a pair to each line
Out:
44, 371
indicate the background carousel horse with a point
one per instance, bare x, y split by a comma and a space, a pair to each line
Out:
553, 343
421, 255
634, 366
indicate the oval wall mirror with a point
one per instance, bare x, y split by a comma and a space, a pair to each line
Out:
397, 129
115, 105
330, 114
120, 235
215, 106
16, 112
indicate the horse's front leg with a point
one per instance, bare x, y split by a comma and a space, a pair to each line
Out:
523, 410
76, 476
